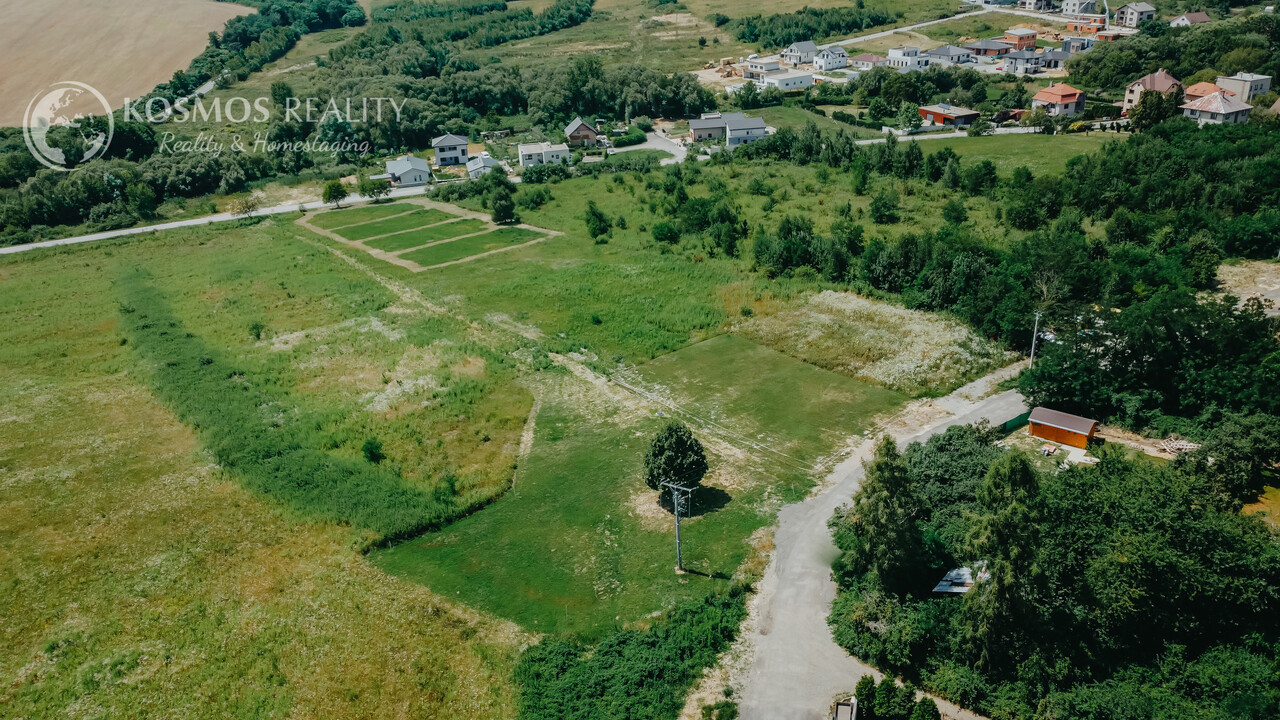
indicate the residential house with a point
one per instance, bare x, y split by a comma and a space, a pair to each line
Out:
866, 61
786, 80
1158, 81
1110, 35
1054, 59
950, 54
736, 128
1218, 108
542, 153
944, 114
1189, 19
1059, 99
1035, 5
800, 52
1245, 85
1134, 14
1020, 38
1203, 89
989, 48
481, 164
450, 150
832, 58
906, 59
406, 171
1088, 24
1076, 44
1023, 62
580, 133
758, 67
1076, 8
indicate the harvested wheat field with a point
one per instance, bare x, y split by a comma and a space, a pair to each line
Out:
122, 49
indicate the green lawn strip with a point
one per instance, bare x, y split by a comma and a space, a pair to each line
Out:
801, 410
473, 245
343, 218
1040, 153
425, 216
428, 235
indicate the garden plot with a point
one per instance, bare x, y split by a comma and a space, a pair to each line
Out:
335, 219
395, 224
473, 245
429, 235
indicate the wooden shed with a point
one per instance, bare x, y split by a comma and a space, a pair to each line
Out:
1061, 427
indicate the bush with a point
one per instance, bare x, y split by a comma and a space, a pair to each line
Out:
665, 232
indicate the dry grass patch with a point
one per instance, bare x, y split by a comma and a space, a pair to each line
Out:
914, 352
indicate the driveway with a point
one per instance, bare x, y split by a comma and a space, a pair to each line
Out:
658, 141
797, 669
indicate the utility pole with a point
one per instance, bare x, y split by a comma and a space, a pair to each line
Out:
677, 496
1034, 335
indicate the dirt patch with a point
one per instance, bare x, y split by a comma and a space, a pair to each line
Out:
1253, 279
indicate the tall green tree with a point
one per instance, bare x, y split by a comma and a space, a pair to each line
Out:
674, 456
884, 538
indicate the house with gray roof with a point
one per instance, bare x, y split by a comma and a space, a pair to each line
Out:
989, 48
950, 54
1134, 14
1023, 62
481, 164
450, 149
1054, 59
736, 128
799, 53
406, 171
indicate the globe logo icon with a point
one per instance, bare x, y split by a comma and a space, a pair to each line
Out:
67, 104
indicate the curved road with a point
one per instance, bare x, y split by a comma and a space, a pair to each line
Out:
797, 669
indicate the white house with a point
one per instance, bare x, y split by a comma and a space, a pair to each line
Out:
740, 129
1245, 85
450, 150
542, 153
1035, 5
1023, 62
1134, 14
758, 67
1076, 44
1189, 19
406, 171
481, 164
832, 58
866, 61
950, 54
1079, 7
786, 80
906, 59
800, 52
1218, 108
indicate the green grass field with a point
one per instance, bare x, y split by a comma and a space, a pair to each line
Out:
400, 223
335, 219
474, 245
1041, 153
580, 544
426, 235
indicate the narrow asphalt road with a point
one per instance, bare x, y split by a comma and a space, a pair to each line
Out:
797, 669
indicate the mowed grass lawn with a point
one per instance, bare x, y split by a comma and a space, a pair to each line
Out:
431, 234
473, 245
342, 218
800, 410
1040, 153
579, 543
399, 223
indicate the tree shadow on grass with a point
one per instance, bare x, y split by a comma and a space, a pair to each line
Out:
703, 500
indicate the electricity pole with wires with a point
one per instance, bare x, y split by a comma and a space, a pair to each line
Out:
1034, 335
679, 493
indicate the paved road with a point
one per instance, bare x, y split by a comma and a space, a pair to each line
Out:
906, 28
193, 222
797, 669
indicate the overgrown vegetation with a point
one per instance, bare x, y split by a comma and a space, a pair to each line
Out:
1105, 580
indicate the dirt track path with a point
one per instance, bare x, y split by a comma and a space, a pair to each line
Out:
796, 669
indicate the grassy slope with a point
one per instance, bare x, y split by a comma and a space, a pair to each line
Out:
142, 581
1041, 153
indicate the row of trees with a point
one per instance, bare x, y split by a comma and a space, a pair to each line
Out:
1118, 573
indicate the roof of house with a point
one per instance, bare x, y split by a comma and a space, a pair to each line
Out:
781, 74
867, 57
734, 122
578, 123
1055, 55
1218, 103
1276, 108
988, 45
1137, 7
1060, 93
1160, 81
959, 580
1195, 18
951, 110
539, 147
1201, 89
1019, 32
405, 163
948, 51
1022, 55
706, 123
482, 161
803, 46
1247, 77
448, 141
1062, 421
765, 59
834, 50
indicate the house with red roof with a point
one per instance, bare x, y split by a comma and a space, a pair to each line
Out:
1059, 99
1159, 81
